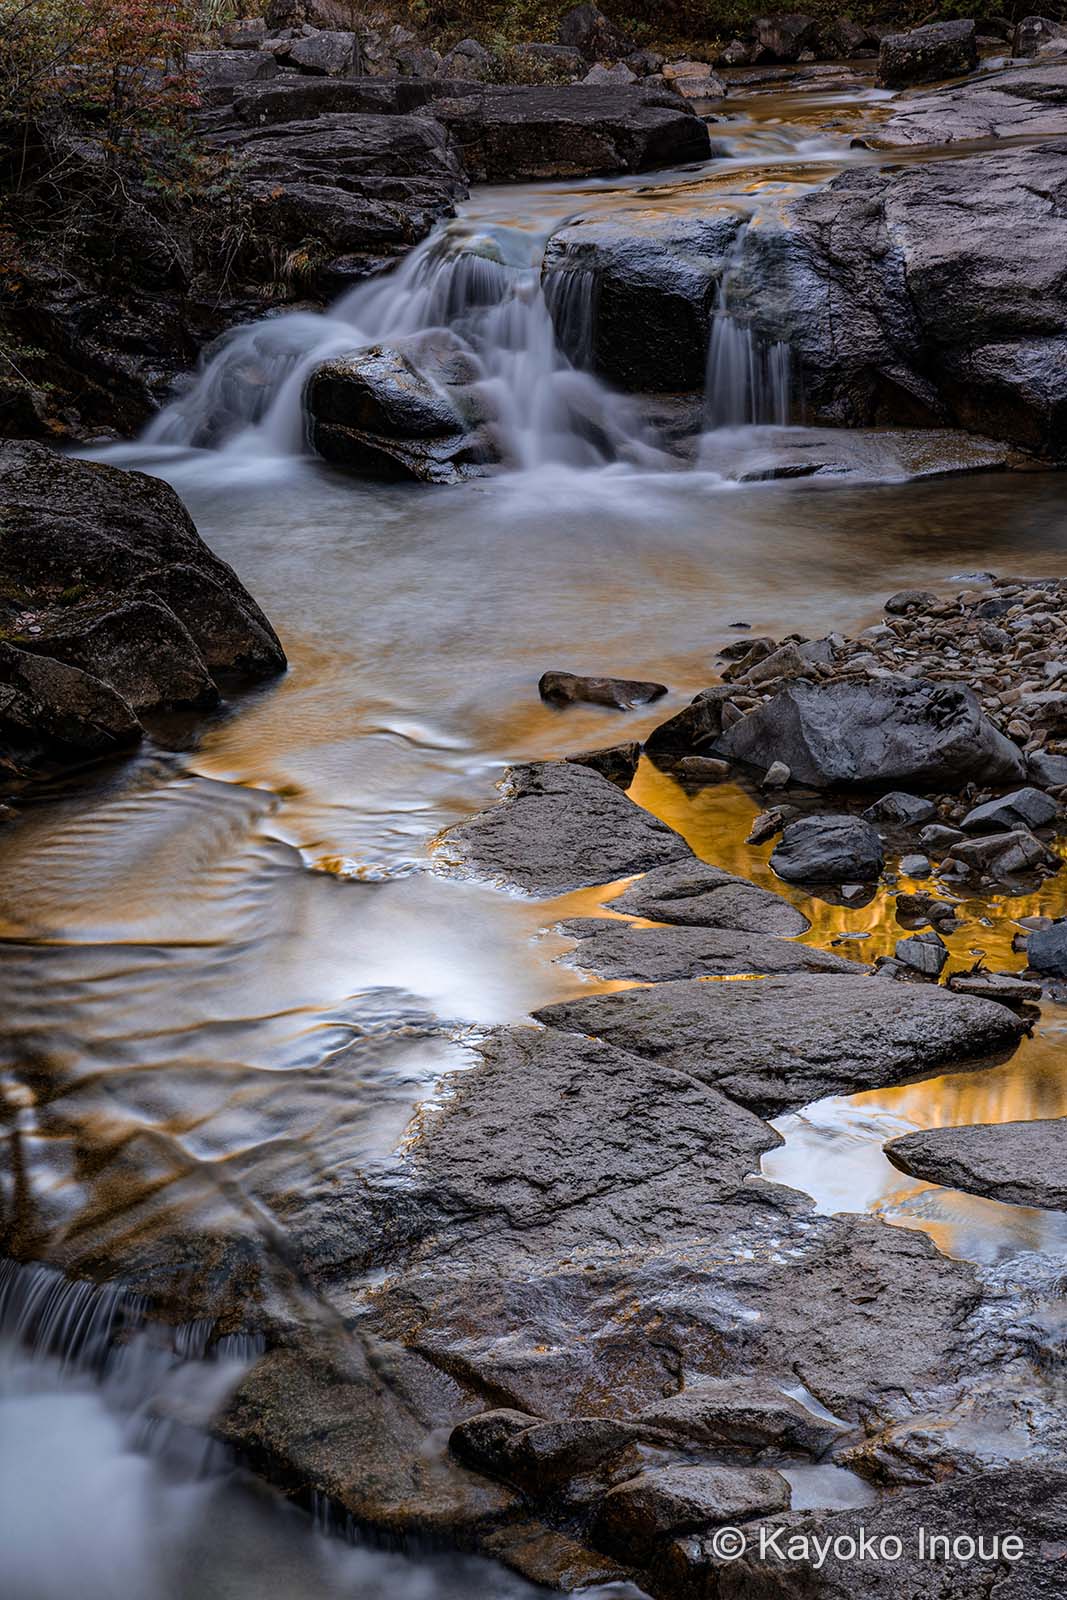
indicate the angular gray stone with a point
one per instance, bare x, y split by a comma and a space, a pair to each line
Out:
1025, 808
900, 810
828, 849
1046, 950
924, 953
559, 827
698, 895
775, 1044
616, 762
636, 1517
940, 50
1023, 1163
651, 955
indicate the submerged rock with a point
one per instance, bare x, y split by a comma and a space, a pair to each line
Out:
775, 1044
623, 694
558, 827
652, 955
695, 894
828, 849
909, 730
1023, 1163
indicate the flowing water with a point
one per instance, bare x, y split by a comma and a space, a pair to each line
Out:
228, 968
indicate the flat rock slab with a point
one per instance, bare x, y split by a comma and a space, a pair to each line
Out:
653, 955
1024, 1163
561, 827
776, 1044
1022, 101
698, 895
897, 454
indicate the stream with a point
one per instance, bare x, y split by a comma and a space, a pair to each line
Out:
228, 966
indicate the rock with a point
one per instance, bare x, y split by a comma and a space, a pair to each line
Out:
940, 50
52, 713
246, 33
652, 955
616, 762
1004, 853
900, 810
1046, 950
845, 40
380, 413
559, 827
638, 1516
324, 54
915, 866
828, 849
776, 776
924, 953
939, 838
565, 58
785, 35
777, 1043
769, 823
619, 73
467, 59
510, 135
118, 585
623, 694
906, 600
692, 731
744, 1414
586, 29
1048, 770
1035, 36
694, 894
645, 63
1023, 808
933, 735
1002, 986
694, 80
218, 72
1023, 1163
700, 769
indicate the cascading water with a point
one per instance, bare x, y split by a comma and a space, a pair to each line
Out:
749, 379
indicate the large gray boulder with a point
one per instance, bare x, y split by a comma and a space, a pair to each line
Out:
111, 607
509, 135
1022, 1163
940, 50
775, 1044
906, 731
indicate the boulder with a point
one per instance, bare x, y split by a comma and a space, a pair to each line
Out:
828, 849
695, 895
586, 29
246, 33
325, 54
1023, 808
924, 953
900, 810
218, 72
1046, 950
1023, 1163
618, 73
508, 135
654, 955
622, 694
785, 35
637, 1517
1004, 854
692, 731
103, 572
891, 729
940, 50
775, 1044
559, 827
746, 1414
845, 40
1036, 36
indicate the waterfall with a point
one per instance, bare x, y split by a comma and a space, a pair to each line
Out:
749, 378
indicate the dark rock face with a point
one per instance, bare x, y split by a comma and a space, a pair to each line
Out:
777, 1043
941, 50
785, 35
828, 849
1046, 950
899, 810
616, 762
112, 606
1024, 1163
560, 827
692, 731
904, 730
694, 894
586, 29
509, 134
655, 955
622, 694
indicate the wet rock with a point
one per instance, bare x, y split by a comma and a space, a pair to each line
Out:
558, 827
778, 1043
651, 955
924, 953
1002, 986
940, 50
694, 894
1036, 36
828, 849
1023, 808
586, 29
103, 570
510, 135
246, 33
623, 694
1023, 1163
1050, 771
939, 838
54, 713
750, 1414
915, 866
700, 769
1046, 950
1004, 854
616, 762
900, 810
933, 735
769, 823
637, 1516
692, 731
